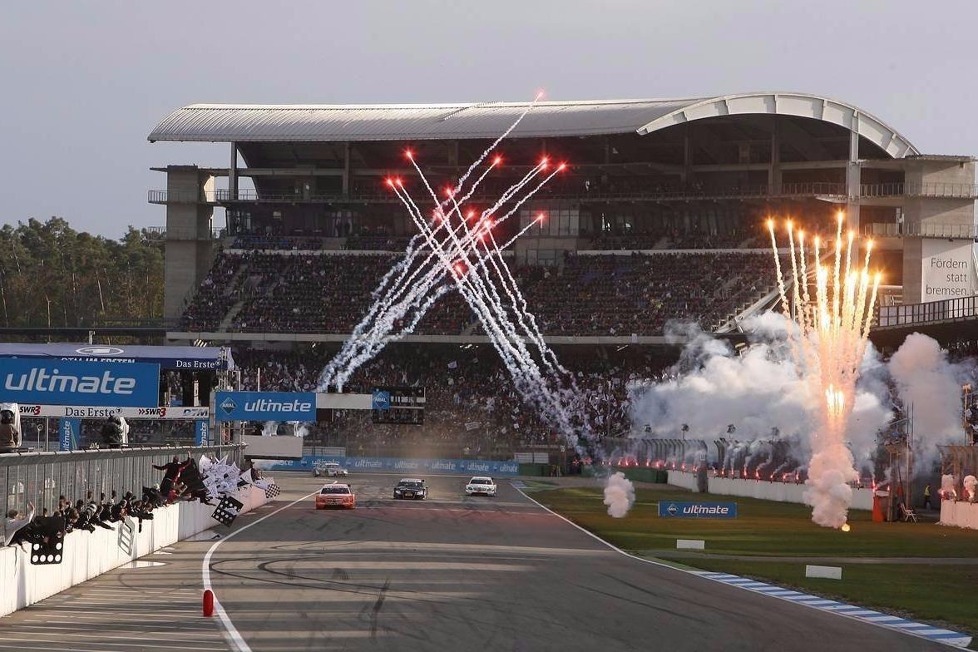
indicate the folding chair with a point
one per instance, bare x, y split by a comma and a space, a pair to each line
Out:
908, 514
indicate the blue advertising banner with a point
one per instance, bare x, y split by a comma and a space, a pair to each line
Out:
68, 431
201, 430
265, 406
407, 467
168, 357
95, 384
669, 509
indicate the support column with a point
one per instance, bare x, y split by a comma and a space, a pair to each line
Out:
233, 173
346, 168
853, 176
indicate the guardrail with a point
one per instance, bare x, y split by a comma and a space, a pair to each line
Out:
924, 189
921, 230
800, 189
960, 309
42, 477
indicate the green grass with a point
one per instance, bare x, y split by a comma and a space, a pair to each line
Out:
765, 533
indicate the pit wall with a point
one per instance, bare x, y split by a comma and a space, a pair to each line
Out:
777, 491
89, 554
959, 513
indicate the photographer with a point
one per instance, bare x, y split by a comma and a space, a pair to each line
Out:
9, 435
114, 432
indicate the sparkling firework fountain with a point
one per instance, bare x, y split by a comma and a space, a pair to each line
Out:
832, 329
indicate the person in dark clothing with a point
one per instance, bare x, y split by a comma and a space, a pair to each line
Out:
9, 435
171, 475
112, 432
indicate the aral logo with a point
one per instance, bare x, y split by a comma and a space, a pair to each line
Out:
99, 350
672, 509
228, 405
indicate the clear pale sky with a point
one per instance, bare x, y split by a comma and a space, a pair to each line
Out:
82, 83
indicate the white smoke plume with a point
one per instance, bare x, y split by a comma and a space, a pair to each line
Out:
619, 495
947, 487
758, 390
931, 385
970, 482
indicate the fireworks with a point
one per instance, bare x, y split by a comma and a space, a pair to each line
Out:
456, 248
832, 328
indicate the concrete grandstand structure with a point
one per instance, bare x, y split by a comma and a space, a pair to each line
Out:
687, 182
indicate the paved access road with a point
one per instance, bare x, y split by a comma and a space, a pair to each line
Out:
450, 573
481, 574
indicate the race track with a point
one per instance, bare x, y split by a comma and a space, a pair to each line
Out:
458, 573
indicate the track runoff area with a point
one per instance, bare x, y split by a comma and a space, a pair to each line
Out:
447, 573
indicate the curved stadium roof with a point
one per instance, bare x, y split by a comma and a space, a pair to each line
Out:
394, 122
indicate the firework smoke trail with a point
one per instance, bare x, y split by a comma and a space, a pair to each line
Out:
832, 339
378, 320
492, 315
473, 288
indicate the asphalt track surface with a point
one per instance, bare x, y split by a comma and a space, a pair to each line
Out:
449, 573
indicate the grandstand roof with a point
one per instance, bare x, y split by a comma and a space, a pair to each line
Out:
394, 122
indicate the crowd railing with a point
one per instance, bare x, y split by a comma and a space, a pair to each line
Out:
41, 477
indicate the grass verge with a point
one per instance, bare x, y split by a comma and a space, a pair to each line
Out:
773, 542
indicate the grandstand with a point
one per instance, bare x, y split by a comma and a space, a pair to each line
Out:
659, 219
659, 216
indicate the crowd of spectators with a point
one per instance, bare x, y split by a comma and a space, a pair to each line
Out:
585, 295
472, 408
181, 481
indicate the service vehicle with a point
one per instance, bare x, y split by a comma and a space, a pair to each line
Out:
481, 485
336, 494
410, 488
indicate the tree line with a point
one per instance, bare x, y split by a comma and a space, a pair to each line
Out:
54, 276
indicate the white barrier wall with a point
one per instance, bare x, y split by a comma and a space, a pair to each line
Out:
959, 513
777, 491
89, 554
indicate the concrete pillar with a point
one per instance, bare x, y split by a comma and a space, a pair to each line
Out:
853, 176
233, 173
346, 168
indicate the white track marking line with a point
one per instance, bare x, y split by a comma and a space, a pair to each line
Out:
234, 637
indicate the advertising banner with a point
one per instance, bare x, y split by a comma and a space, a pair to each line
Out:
265, 406
51, 382
948, 270
670, 509
84, 412
201, 430
406, 466
68, 430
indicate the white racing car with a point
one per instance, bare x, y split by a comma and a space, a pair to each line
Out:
481, 485
329, 469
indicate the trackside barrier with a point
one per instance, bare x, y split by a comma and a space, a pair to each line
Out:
777, 491
400, 465
89, 554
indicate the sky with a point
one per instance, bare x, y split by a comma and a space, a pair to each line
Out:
83, 83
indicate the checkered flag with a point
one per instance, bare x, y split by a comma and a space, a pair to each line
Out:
227, 510
271, 491
50, 548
